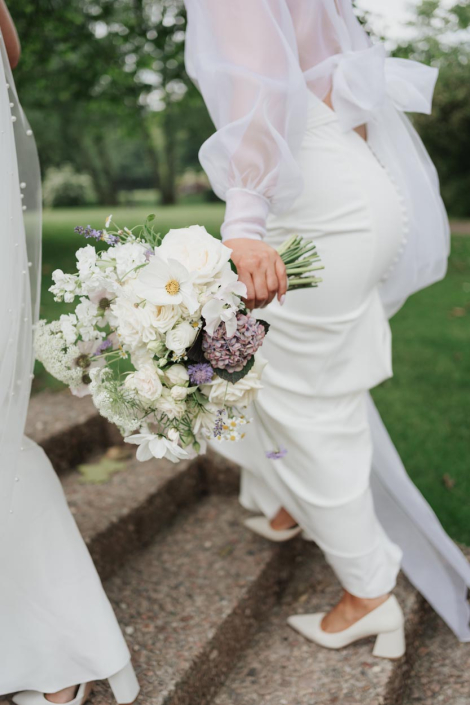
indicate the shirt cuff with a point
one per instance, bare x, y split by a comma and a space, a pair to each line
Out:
245, 215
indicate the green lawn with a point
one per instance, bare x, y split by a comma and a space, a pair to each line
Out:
425, 406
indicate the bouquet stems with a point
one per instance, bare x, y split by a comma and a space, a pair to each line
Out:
301, 259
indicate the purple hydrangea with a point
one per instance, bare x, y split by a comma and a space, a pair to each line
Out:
276, 454
200, 373
233, 353
103, 346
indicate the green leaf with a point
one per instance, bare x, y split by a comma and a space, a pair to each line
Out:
235, 376
265, 324
195, 352
150, 218
233, 266
97, 473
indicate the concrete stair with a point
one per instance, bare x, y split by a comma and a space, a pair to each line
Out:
203, 602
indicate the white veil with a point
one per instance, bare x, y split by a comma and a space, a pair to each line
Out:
20, 269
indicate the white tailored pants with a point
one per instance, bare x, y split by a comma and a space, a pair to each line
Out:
326, 348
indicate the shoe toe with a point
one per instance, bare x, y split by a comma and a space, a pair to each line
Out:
306, 624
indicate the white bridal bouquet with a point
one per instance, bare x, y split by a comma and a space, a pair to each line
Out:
172, 306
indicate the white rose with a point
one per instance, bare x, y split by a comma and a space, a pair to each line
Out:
141, 357
163, 317
145, 382
180, 393
181, 337
177, 374
171, 407
242, 393
196, 250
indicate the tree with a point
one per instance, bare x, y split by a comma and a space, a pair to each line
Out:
441, 38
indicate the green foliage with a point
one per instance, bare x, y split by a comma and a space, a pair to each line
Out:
234, 377
442, 38
64, 187
103, 83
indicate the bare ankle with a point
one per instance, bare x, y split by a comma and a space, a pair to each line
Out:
282, 521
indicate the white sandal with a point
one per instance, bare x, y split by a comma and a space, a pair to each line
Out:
124, 685
386, 622
261, 526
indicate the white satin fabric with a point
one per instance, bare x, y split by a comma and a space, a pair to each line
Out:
57, 627
257, 63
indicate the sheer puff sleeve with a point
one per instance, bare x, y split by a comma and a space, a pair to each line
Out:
242, 55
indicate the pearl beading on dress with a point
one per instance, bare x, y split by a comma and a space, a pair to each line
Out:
404, 217
19, 382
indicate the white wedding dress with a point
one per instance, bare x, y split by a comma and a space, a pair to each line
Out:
57, 628
285, 162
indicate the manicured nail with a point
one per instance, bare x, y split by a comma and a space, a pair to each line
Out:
282, 299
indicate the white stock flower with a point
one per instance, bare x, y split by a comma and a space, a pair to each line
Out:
153, 446
88, 318
177, 374
68, 326
86, 264
242, 393
164, 283
197, 250
146, 382
65, 287
181, 337
128, 256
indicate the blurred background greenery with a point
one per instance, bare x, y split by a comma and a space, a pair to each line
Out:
119, 125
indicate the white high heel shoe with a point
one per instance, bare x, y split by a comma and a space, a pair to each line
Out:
124, 685
261, 526
386, 622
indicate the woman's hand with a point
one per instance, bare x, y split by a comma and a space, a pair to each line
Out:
260, 268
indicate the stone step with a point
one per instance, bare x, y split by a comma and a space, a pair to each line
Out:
119, 517
191, 602
282, 668
69, 429
441, 671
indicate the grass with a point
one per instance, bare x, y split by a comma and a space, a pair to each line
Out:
425, 406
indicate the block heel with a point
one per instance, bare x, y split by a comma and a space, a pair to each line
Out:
125, 685
390, 644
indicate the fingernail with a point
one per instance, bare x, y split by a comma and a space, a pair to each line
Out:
282, 299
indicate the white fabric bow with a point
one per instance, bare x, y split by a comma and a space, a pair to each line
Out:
363, 80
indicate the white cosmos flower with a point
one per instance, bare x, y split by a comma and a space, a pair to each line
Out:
153, 446
108, 220
197, 250
167, 282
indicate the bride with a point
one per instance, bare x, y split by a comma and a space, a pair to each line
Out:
58, 631
312, 139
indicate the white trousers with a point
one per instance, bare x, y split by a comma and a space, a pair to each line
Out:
326, 348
